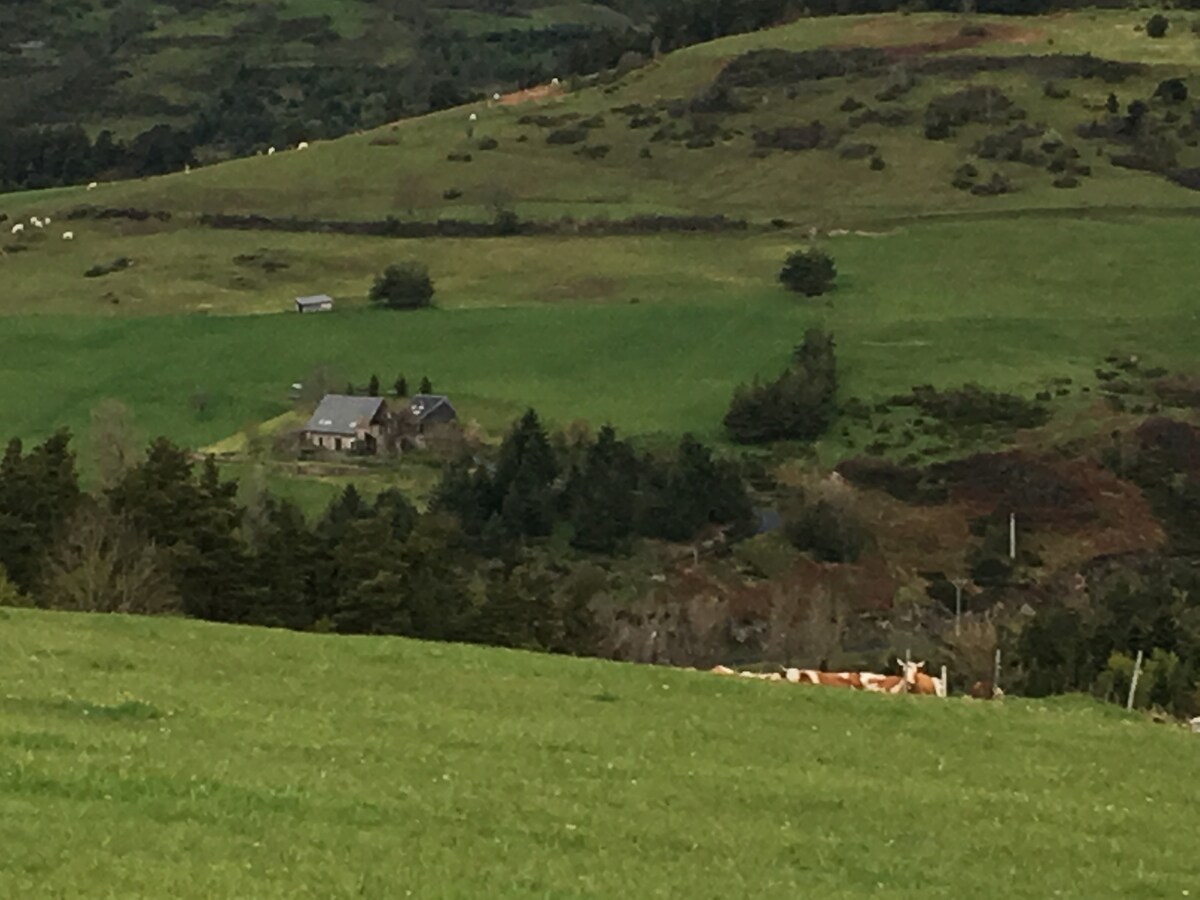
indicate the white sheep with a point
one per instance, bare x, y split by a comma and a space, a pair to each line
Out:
554, 81
18, 228
472, 117
303, 145
92, 185
270, 151
68, 236
36, 222
496, 96
47, 220
186, 168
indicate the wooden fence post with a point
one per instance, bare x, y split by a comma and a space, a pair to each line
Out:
996, 671
1137, 673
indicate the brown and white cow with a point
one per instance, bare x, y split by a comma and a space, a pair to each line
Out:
851, 680
911, 680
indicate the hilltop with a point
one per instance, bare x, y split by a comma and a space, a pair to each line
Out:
165, 757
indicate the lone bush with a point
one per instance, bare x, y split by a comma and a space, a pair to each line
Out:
808, 272
403, 286
1157, 25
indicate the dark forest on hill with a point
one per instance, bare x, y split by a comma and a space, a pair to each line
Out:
64, 113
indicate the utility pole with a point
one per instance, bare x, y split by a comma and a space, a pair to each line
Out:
959, 584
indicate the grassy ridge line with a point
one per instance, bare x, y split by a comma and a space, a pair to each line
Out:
150, 758
353, 178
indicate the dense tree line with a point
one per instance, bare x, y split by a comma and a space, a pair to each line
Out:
1151, 604
169, 535
604, 495
41, 157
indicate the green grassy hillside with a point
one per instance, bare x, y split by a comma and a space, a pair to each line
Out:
151, 758
937, 284
403, 170
1007, 304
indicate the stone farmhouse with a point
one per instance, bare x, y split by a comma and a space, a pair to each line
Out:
342, 422
366, 424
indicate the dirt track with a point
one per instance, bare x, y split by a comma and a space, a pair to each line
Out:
540, 92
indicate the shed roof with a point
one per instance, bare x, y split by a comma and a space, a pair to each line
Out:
341, 413
422, 405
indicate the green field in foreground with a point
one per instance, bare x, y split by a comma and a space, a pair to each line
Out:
1007, 303
160, 758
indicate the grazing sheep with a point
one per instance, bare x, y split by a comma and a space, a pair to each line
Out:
270, 151
472, 117
92, 186
303, 145
36, 222
18, 228
47, 220
68, 236
554, 81
496, 96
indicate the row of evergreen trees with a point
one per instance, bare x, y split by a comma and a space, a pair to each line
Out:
603, 496
170, 535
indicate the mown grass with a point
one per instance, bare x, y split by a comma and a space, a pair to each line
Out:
253, 763
1009, 304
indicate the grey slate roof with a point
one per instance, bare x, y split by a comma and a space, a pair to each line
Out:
341, 413
422, 405
315, 300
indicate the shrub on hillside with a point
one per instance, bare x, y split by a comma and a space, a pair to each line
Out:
567, 136
994, 186
101, 269
800, 404
825, 525
1157, 25
808, 272
1172, 90
403, 286
972, 405
1055, 91
911, 485
792, 137
764, 68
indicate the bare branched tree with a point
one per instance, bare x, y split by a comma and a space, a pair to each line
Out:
102, 564
823, 624
974, 647
113, 441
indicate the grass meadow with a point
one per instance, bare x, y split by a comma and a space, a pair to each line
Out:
1009, 303
161, 758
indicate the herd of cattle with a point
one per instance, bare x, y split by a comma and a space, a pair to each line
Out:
911, 679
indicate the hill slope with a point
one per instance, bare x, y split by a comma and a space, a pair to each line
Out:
164, 758
938, 284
